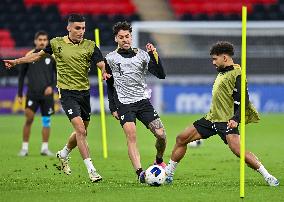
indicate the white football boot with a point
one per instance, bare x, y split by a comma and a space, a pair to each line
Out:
23, 152
95, 176
47, 152
64, 163
272, 181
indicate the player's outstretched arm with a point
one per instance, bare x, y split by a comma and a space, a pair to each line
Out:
26, 59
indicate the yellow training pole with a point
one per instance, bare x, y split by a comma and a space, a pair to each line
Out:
243, 98
102, 106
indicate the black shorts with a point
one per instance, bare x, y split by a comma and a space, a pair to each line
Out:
46, 104
142, 110
76, 103
207, 129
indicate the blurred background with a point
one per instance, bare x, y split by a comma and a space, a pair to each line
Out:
182, 30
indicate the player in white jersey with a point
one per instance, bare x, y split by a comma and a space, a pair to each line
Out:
128, 93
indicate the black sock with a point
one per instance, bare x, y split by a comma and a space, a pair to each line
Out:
159, 160
138, 171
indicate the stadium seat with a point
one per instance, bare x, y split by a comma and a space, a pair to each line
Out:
215, 8
6, 41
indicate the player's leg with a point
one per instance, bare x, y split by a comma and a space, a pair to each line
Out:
201, 129
80, 125
127, 118
70, 105
150, 118
47, 109
31, 108
81, 134
251, 160
157, 128
129, 129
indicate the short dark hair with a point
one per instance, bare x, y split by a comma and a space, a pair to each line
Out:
76, 18
222, 47
121, 26
41, 33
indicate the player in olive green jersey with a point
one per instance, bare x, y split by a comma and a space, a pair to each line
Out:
224, 115
73, 55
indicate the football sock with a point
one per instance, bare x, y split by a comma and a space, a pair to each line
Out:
25, 146
171, 167
138, 171
263, 171
89, 164
64, 152
159, 160
44, 146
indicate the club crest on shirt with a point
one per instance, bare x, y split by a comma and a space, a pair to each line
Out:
47, 61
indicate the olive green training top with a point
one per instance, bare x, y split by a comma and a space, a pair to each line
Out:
73, 61
222, 105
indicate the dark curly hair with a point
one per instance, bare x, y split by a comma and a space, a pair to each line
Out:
222, 47
121, 26
75, 18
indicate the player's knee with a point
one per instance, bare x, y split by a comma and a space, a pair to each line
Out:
131, 137
81, 131
182, 139
160, 133
29, 120
46, 121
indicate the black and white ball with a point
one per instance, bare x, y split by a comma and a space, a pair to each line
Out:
155, 175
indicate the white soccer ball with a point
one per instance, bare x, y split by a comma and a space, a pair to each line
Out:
196, 143
155, 175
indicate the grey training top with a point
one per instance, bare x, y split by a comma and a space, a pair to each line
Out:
129, 76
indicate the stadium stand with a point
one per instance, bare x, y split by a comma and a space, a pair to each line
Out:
226, 9
24, 18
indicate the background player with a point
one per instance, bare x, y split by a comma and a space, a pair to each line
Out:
73, 56
41, 81
128, 94
224, 115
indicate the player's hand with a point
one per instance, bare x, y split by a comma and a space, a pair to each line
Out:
48, 91
150, 47
106, 76
20, 100
115, 115
9, 63
232, 124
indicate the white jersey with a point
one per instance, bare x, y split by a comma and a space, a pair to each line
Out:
129, 76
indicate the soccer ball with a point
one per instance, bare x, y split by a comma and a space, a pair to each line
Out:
155, 175
196, 143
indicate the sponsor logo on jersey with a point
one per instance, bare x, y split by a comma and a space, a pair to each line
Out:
30, 103
50, 111
47, 61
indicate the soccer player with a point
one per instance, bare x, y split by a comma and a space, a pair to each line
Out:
73, 55
224, 115
41, 80
128, 94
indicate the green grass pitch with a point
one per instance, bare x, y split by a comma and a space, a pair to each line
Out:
208, 173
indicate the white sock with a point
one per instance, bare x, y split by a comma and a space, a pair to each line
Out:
25, 146
263, 171
89, 164
44, 146
64, 152
171, 167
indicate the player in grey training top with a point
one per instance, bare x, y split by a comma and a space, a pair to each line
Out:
128, 94
129, 75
